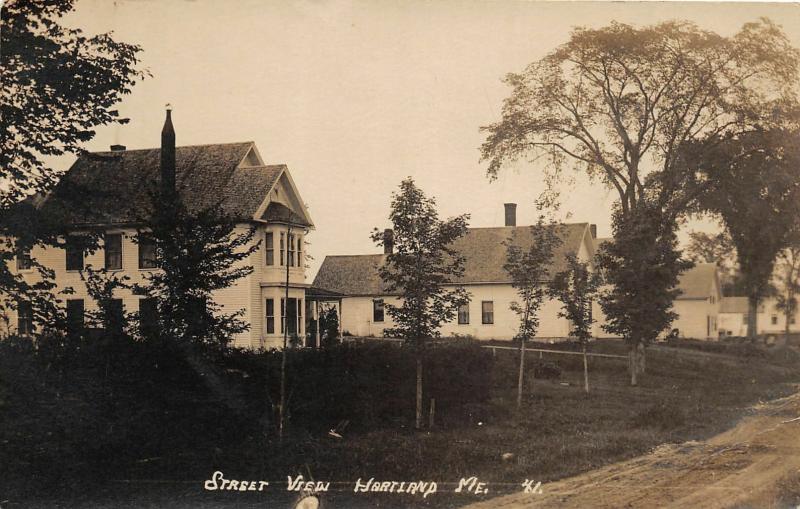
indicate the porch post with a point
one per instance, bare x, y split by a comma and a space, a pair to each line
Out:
316, 329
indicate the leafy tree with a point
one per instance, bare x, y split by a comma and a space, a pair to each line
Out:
620, 102
529, 268
57, 85
753, 184
329, 327
420, 268
717, 248
642, 266
196, 254
576, 288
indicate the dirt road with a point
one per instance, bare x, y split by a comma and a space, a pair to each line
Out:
751, 465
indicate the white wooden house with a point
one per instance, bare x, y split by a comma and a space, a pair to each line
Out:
488, 315
113, 193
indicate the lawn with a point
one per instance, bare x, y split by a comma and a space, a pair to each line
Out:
686, 394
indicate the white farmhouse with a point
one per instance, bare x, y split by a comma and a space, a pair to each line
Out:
488, 315
112, 190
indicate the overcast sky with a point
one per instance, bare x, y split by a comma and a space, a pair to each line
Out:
355, 96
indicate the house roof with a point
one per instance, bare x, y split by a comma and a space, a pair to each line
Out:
698, 282
483, 249
734, 305
115, 187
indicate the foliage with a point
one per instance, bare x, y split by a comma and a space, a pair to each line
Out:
101, 286
754, 186
529, 269
642, 265
422, 263
612, 98
58, 84
329, 327
198, 253
576, 287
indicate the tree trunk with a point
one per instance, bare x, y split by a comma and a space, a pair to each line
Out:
585, 371
752, 318
418, 421
521, 378
632, 363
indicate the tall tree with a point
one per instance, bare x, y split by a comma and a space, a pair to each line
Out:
529, 268
619, 102
57, 85
576, 287
753, 184
421, 269
642, 266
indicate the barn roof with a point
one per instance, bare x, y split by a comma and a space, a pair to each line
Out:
483, 249
115, 187
698, 282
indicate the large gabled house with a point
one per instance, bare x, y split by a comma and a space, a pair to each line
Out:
488, 315
108, 193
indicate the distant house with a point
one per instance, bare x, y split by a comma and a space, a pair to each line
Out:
488, 315
699, 303
733, 316
113, 195
770, 320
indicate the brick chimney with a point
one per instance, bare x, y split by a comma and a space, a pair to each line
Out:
511, 214
388, 241
593, 229
168, 155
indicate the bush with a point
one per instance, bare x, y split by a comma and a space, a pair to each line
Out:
369, 384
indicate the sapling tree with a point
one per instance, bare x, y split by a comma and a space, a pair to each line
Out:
576, 287
642, 266
529, 266
422, 269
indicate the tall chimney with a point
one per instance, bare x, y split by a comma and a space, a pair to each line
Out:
593, 229
388, 241
168, 155
511, 214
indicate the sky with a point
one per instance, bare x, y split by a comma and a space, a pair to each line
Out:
354, 96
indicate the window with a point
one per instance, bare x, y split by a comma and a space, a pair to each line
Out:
487, 312
291, 250
270, 248
463, 314
113, 249
23, 258
283, 312
744, 319
148, 317
74, 316
283, 237
299, 315
774, 319
74, 252
270, 316
115, 317
147, 253
299, 251
24, 318
377, 310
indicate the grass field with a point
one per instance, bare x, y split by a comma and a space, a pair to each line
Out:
686, 394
